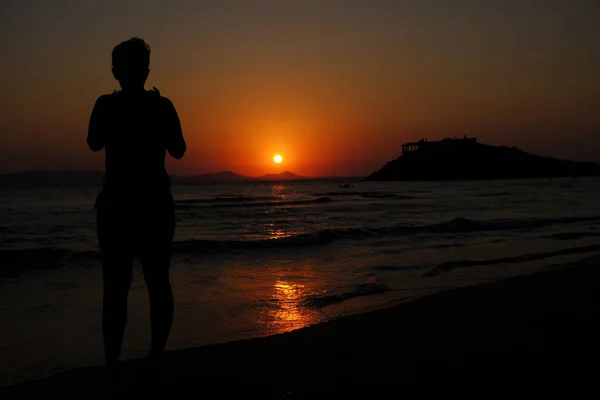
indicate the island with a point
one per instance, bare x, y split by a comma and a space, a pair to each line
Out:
467, 159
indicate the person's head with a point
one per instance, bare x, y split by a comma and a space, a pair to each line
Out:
131, 63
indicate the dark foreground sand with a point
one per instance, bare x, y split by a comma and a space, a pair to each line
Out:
538, 331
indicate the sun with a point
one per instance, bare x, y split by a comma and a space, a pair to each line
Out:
278, 159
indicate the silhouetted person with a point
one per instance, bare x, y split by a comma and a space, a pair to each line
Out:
135, 209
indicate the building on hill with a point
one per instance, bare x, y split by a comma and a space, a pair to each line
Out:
467, 159
424, 146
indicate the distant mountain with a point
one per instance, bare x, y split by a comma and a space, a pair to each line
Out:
223, 176
41, 178
466, 159
284, 176
30, 178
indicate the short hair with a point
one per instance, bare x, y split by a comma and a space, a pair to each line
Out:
134, 52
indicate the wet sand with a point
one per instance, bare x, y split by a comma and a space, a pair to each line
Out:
538, 331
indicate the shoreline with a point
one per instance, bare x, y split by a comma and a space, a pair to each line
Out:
530, 329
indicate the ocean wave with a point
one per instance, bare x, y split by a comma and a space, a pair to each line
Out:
227, 199
326, 236
459, 225
465, 225
570, 235
388, 268
386, 196
212, 246
251, 203
9, 230
450, 265
15, 261
368, 195
364, 289
495, 194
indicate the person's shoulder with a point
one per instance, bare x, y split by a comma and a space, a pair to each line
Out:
154, 92
108, 96
105, 99
164, 103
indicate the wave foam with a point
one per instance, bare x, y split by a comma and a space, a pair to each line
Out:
326, 236
450, 265
364, 289
15, 260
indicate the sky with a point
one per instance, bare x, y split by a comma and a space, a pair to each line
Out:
334, 86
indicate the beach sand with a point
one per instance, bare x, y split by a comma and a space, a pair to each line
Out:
538, 330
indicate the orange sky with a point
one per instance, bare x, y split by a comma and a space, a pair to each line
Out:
335, 87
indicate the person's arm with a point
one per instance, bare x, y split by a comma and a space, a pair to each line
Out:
175, 142
95, 137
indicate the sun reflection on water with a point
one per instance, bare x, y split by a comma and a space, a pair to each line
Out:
289, 314
277, 191
274, 232
279, 233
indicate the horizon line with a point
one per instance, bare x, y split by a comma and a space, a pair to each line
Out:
33, 171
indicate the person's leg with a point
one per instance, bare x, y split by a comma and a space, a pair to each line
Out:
155, 256
156, 275
117, 265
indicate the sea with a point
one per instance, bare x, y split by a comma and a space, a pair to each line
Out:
254, 259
